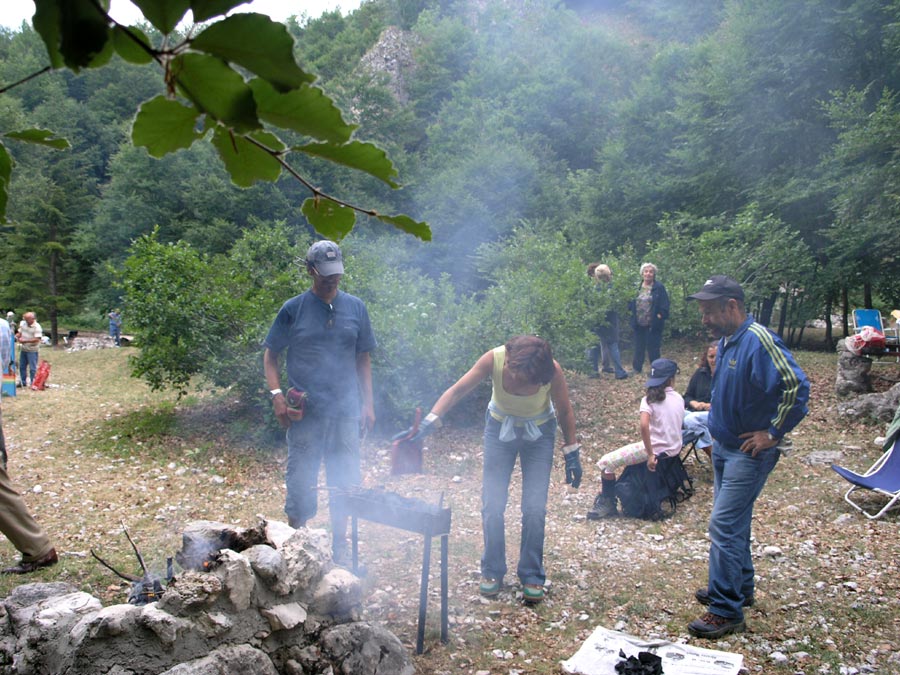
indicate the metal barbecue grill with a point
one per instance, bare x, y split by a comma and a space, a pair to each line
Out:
412, 515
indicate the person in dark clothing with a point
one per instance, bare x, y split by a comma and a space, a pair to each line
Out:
699, 391
649, 311
327, 337
607, 351
697, 399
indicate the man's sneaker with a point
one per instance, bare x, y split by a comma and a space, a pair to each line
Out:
489, 588
604, 507
712, 626
532, 594
702, 596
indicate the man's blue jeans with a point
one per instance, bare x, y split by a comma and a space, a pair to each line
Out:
536, 458
312, 439
27, 361
738, 480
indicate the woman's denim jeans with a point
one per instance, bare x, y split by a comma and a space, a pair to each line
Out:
738, 480
536, 458
696, 425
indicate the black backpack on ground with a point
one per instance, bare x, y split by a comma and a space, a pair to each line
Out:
653, 495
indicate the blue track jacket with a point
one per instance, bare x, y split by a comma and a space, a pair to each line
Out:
757, 385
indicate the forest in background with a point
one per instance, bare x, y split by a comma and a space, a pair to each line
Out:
756, 139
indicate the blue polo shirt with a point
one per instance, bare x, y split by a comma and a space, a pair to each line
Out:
322, 343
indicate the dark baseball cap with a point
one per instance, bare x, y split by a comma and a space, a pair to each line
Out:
719, 286
660, 372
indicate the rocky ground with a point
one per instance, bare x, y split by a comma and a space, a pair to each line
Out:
97, 449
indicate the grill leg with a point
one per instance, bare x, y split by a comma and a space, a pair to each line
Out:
423, 594
445, 638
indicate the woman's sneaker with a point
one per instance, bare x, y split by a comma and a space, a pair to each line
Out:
489, 588
532, 594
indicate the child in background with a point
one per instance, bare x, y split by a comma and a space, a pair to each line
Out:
662, 411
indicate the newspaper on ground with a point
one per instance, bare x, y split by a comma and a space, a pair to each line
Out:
600, 653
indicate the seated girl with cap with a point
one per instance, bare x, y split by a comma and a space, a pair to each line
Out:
662, 411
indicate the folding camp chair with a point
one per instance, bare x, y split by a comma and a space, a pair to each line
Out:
689, 445
883, 478
872, 318
867, 317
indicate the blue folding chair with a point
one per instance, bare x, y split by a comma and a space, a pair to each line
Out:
882, 478
872, 318
867, 317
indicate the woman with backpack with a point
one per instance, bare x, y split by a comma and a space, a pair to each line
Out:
662, 410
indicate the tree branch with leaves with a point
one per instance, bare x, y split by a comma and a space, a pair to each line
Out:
236, 81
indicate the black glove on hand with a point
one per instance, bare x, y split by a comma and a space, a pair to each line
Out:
572, 453
426, 426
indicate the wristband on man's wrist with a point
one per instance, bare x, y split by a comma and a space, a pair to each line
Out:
274, 392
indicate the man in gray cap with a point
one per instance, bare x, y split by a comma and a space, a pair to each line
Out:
328, 338
759, 394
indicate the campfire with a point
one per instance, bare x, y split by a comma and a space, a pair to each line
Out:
279, 605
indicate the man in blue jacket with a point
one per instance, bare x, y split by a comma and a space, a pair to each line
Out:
759, 394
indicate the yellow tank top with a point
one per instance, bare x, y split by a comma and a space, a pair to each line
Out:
505, 404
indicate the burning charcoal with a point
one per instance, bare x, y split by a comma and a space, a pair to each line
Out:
204, 538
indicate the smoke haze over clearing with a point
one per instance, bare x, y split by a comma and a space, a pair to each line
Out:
14, 12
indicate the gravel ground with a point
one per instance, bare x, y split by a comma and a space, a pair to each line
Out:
98, 450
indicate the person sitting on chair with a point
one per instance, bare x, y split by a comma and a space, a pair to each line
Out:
697, 399
662, 411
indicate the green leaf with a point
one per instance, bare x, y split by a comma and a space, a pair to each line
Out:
306, 109
41, 137
407, 224
329, 218
258, 44
127, 45
357, 155
163, 14
74, 32
217, 90
245, 161
5, 174
105, 55
46, 23
163, 126
207, 9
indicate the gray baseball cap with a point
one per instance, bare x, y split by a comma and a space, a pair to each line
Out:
326, 258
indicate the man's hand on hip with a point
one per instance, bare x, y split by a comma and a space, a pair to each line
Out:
755, 441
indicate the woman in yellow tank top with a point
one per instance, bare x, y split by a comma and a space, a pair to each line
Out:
530, 395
